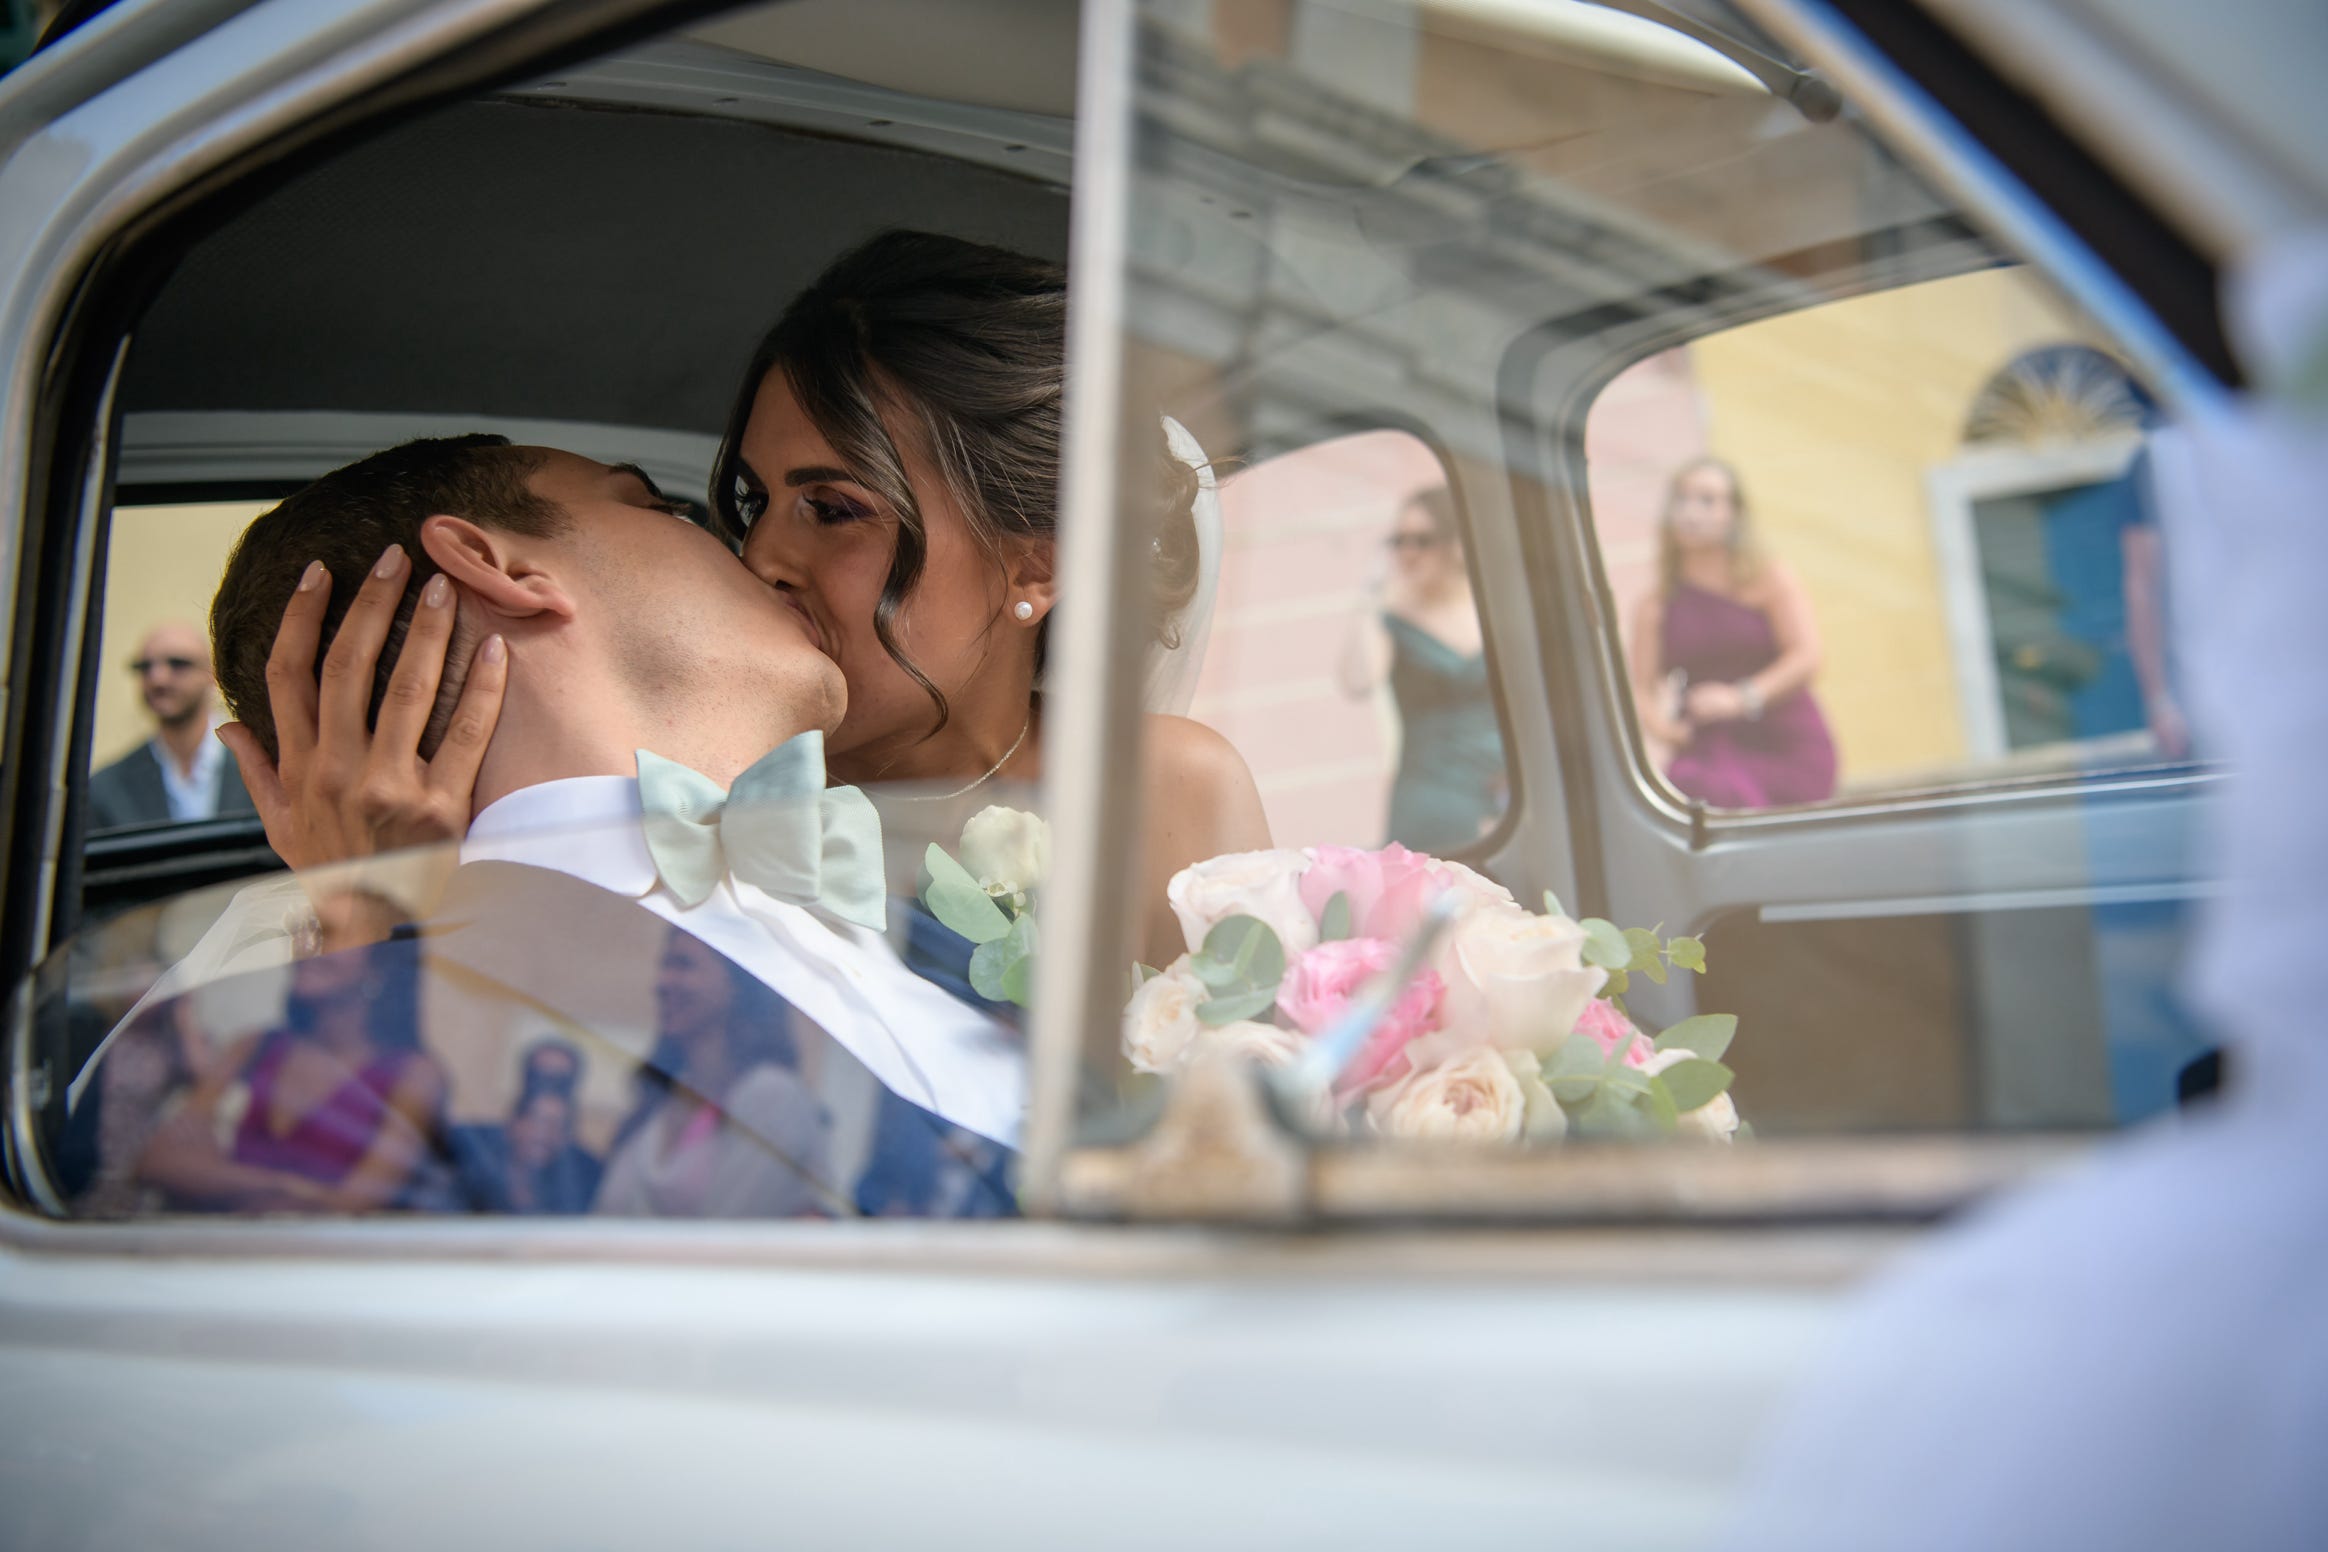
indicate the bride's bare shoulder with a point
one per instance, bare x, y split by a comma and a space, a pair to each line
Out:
1194, 772
1183, 749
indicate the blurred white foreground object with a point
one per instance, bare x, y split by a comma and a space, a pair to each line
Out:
2137, 1358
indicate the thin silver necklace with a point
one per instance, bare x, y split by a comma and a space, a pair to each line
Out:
979, 781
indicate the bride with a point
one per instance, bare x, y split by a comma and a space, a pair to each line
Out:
891, 467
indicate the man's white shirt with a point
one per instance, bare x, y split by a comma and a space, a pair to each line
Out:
923, 1044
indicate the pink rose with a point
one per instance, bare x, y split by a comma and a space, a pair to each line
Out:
1610, 1028
1318, 987
1388, 889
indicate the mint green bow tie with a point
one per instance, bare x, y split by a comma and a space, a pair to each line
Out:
779, 827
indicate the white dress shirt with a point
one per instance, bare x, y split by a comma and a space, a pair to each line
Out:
193, 794
923, 1044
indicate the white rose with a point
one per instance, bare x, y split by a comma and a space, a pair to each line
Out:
1265, 885
1160, 1021
1008, 850
1714, 1121
1264, 1045
1479, 892
1514, 980
1474, 1098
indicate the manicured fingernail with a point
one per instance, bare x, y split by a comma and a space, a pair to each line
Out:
438, 590
312, 577
494, 650
391, 562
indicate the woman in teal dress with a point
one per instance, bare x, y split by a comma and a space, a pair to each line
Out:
1421, 633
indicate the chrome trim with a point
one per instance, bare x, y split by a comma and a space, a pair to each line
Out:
713, 81
1698, 1255
1798, 1180
88, 519
1947, 153
23, 1141
1989, 900
1091, 709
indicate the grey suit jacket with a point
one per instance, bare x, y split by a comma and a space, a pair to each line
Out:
130, 791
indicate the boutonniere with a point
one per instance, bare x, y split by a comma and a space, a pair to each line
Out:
988, 896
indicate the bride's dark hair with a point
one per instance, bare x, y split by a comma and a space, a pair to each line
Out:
968, 344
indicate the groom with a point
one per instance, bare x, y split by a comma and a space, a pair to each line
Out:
635, 644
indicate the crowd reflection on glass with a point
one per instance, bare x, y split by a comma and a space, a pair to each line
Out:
1419, 632
1724, 652
337, 1108
723, 1126
532, 1162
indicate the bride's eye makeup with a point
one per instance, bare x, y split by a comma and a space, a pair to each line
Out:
831, 511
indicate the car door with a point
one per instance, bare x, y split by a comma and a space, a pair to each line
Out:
383, 1379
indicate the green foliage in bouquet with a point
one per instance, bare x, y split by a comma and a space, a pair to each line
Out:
1606, 1096
1240, 965
1625, 952
1002, 965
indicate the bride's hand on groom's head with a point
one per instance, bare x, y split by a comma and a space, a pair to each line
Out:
342, 788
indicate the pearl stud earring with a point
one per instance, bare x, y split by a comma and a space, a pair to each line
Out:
1023, 610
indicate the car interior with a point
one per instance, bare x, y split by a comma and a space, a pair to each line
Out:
1540, 264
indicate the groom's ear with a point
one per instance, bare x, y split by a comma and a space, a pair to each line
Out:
499, 569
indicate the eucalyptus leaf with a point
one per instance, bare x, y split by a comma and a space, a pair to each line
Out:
1248, 946
1003, 970
1228, 1009
1552, 906
1625, 1080
1142, 974
1658, 1105
1616, 986
957, 901
1334, 922
1687, 954
1707, 1035
1644, 946
1609, 1114
1573, 1073
1695, 1082
1605, 945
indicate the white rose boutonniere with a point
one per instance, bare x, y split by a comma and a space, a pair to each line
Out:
1008, 851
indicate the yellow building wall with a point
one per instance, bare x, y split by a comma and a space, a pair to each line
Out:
1833, 416
162, 563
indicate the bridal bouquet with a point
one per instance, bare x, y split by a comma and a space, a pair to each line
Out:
1514, 1031
988, 896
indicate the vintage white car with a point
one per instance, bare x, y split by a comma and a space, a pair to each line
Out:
1456, 300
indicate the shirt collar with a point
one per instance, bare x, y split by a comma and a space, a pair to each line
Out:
586, 827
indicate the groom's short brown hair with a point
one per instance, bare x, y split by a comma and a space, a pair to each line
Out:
347, 520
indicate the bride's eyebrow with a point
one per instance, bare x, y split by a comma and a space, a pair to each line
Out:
819, 474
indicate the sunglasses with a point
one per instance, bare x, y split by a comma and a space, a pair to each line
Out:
176, 665
1413, 541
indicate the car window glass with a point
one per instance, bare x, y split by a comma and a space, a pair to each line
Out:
1345, 659
492, 295
152, 759
1942, 484
534, 1025
1585, 258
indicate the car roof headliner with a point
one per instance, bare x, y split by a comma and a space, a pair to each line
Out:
556, 261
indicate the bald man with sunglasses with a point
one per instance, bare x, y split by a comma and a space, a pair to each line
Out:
182, 773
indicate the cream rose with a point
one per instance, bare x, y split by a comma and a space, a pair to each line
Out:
1714, 1121
1514, 980
1008, 850
1264, 1045
1160, 1022
1476, 1097
1261, 884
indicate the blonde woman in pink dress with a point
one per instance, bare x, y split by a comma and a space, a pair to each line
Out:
1723, 656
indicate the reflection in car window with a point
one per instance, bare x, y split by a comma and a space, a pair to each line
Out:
1346, 659
1983, 598
533, 1025
1767, 457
